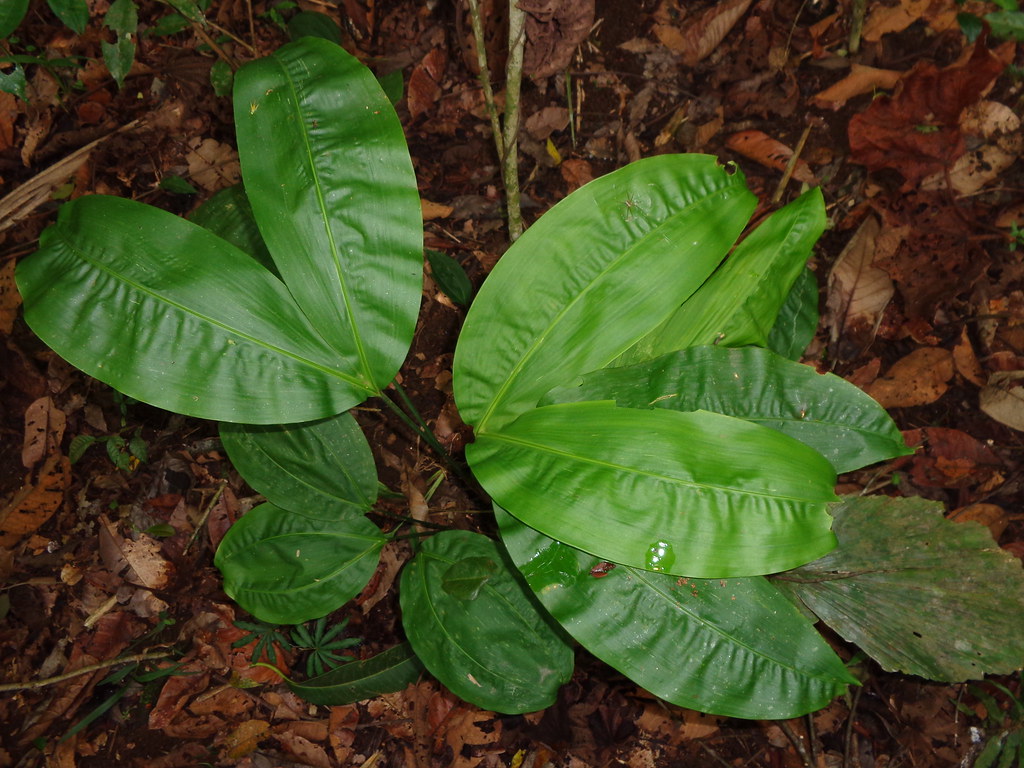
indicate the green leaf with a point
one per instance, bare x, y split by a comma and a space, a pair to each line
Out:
692, 494
187, 8
450, 277
321, 469
118, 57
328, 174
228, 215
74, 13
14, 82
739, 303
498, 651
171, 24
79, 445
393, 85
919, 593
168, 317
222, 78
314, 24
466, 577
286, 569
177, 185
11, 14
732, 647
823, 411
123, 18
387, 672
598, 271
798, 319
1007, 25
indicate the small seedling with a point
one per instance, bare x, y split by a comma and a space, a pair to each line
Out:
323, 644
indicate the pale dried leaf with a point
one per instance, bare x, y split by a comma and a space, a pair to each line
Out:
433, 210
10, 299
213, 165
139, 561
44, 430
858, 292
966, 361
989, 118
861, 80
1003, 398
704, 35
972, 170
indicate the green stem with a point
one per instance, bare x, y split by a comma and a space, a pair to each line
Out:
485, 74
513, 84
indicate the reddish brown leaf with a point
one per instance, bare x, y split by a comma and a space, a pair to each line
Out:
44, 430
36, 502
920, 378
761, 147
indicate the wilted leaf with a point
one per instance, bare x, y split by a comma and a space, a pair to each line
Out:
701, 37
759, 146
35, 503
919, 593
861, 80
213, 165
858, 292
44, 430
139, 560
1003, 398
10, 299
920, 378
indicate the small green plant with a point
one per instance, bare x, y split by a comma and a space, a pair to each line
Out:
268, 638
661, 467
1003, 725
125, 452
324, 645
1006, 24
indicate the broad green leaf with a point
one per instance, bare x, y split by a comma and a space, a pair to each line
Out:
798, 319
499, 650
118, 57
691, 494
228, 215
321, 469
286, 569
597, 272
918, 593
314, 24
177, 185
188, 9
328, 174
170, 314
389, 671
450, 277
732, 647
11, 14
466, 577
222, 78
829, 414
739, 303
393, 84
123, 17
14, 82
1006, 25
74, 13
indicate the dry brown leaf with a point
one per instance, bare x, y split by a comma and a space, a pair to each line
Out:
139, 561
920, 378
10, 299
392, 558
861, 80
1002, 398
8, 114
36, 502
244, 739
858, 292
44, 430
576, 173
966, 361
433, 211
971, 171
213, 165
992, 516
761, 147
701, 37
462, 732
940, 16
424, 88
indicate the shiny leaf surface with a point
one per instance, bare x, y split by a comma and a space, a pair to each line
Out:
739, 303
170, 314
320, 469
691, 494
11, 14
498, 650
597, 272
823, 411
733, 647
331, 184
388, 671
287, 569
228, 215
919, 593
798, 319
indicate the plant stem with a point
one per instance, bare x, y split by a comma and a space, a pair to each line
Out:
485, 74
513, 84
32, 684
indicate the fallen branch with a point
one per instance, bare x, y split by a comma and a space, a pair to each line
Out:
88, 669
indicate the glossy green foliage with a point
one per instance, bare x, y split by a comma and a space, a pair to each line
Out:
321, 469
11, 14
698, 494
798, 319
388, 671
739, 303
492, 645
733, 647
180, 318
597, 272
919, 593
307, 567
228, 215
826, 412
74, 13
332, 188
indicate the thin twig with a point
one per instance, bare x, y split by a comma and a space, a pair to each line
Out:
513, 86
848, 739
856, 24
203, 518
33, 684
797, 743
485, 75
791, 165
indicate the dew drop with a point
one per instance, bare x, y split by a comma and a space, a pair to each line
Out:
660, 556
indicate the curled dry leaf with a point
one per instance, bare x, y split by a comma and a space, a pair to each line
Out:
992, 516
36, 502
424, 87
861, 80
213, 165
435, 210
920, 378
761, 147
858, 292
1002, 398
699, 38
44, 430
971, 171
553, 30
139, 561
966, 361
885, 19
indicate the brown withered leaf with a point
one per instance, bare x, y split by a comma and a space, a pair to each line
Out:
213, 165
1002, 398
759, 146
862, 79
139, 561
424, 87
916, 130
553, 30
36, 502
920, 378
949, 458
44, 430
992, 516
699, 38
966, 361
10, 299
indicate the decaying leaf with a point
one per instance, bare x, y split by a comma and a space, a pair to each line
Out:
761, 147
858, 292
699, 38
213, 165
36, 502
553, 30
44, 430
919, 593
920, 378
885, 19
862, 79
10, 299
139, 561
1002, 398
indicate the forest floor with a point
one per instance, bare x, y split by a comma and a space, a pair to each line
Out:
922, 297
